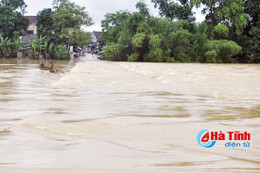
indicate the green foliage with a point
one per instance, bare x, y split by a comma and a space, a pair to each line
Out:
45, 23
14, 4
138, 40
113, 51
173, 10
9, 47
140, 37
63, 24
250, 38
113, 24
37, 46
254, 43
11, 18
211, 56
181, 46
69, 18
81, 38
220, 32
5, 47
228, 12
142, 7
221, 51
133, 57
253, 11
61, 52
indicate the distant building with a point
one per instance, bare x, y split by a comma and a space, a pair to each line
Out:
95, 36
31, 30
93, 46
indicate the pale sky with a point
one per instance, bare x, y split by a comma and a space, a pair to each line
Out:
97, 8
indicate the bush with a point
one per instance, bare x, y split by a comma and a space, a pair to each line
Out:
181, 46
133, 57
61, 52
114, 51
220, 51
220, 32
154, 55
211, 56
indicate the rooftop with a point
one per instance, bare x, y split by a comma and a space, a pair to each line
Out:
33, 19
97, 34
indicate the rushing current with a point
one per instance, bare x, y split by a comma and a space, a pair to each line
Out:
124, 117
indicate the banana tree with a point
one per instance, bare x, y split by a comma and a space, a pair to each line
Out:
39, 44
51, 50
33, 46
5, 44
17, 44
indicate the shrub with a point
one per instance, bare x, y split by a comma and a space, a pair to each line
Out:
61, 52
181, 46
211, 56
220, 32
133, 57
114, 51
220, 51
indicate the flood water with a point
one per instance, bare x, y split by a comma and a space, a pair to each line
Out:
125, 117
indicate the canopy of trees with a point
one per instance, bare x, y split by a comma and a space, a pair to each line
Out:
229, 34
12, 22
64, 23
57, 28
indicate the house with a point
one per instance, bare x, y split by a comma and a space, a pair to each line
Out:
95, 36
31, 30
93, 46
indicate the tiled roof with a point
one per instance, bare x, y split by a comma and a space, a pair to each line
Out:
97, 34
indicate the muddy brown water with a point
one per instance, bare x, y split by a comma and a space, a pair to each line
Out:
105, 116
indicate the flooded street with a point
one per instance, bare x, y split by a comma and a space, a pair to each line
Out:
125, 117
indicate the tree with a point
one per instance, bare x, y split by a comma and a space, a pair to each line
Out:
14, 4
227, 12
220, 32
141, 37
57, 3
113, 24
5, 46
173, 10
250, 40
181, 45
221, 51
68, 19
45, 24
11, 19
142, 7
81, 38
253, 11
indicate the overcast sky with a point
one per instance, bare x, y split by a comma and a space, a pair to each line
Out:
96, 8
